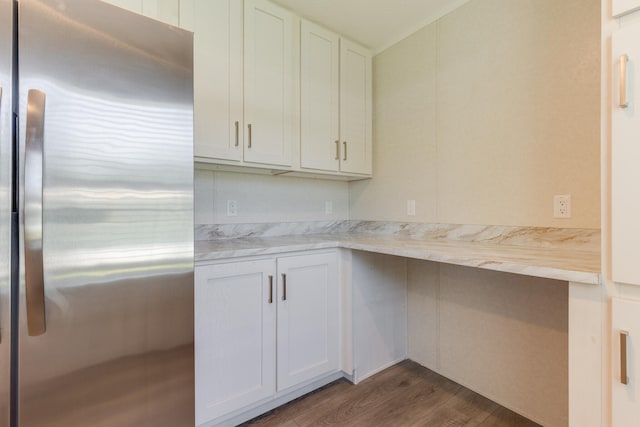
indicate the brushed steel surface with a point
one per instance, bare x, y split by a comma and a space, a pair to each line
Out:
6, 13
33, 165
117, 218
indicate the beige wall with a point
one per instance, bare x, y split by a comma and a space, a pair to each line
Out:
483, 116
502, 335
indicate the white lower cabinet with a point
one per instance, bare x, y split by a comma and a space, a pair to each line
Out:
234, 337
308, 334
261, 328
625, 390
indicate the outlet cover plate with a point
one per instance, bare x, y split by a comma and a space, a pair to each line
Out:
562, 206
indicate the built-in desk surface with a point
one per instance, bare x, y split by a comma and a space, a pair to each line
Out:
559, 261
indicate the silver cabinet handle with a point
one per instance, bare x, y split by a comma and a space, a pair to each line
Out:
284, 287
249, 129
270, 289
33, 182
237, 133
337, 150
624, 102
345, 150
624, 376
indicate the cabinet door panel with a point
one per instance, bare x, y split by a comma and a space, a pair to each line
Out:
308, 318
355, 108
234, 337
163, 10
319, 68
217, 75
268, 83
131, 5
625, 153
626, 397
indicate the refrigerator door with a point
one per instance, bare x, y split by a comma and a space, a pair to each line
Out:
6, 12
106, 122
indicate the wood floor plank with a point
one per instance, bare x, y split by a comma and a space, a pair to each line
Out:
406, 394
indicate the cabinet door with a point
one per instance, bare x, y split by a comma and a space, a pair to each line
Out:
319, 96
625, 397
167, 11
355, 108
131, 5
622, 7
268, 83
161, 10
625, 156
217, 76
234, 336
308, 318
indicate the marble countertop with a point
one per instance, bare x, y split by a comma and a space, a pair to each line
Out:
558, 262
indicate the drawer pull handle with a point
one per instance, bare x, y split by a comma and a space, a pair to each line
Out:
284, 287
337, 150
624, 102
237, 133
624, 377
270, 289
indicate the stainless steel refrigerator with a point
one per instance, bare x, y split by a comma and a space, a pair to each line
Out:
96, 217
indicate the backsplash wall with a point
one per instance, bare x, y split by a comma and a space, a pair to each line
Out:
266, 198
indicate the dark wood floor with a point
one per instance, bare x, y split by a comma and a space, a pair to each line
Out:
404, 395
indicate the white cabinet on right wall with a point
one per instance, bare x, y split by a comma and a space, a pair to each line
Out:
335, 80
625, 156
625, 390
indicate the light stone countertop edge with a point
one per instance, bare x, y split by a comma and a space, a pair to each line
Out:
552, 263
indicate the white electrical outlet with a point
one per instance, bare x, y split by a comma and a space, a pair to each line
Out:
328, 207
232, 208
411, 207
562, 206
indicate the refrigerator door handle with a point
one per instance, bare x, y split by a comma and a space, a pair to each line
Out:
33, 182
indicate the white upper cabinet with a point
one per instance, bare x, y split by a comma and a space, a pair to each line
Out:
622, 7
268, 83
625, 156
131, 5
217, 43
162, 10
355, 108
319, 97
335, 103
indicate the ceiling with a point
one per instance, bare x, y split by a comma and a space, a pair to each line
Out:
376, 24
